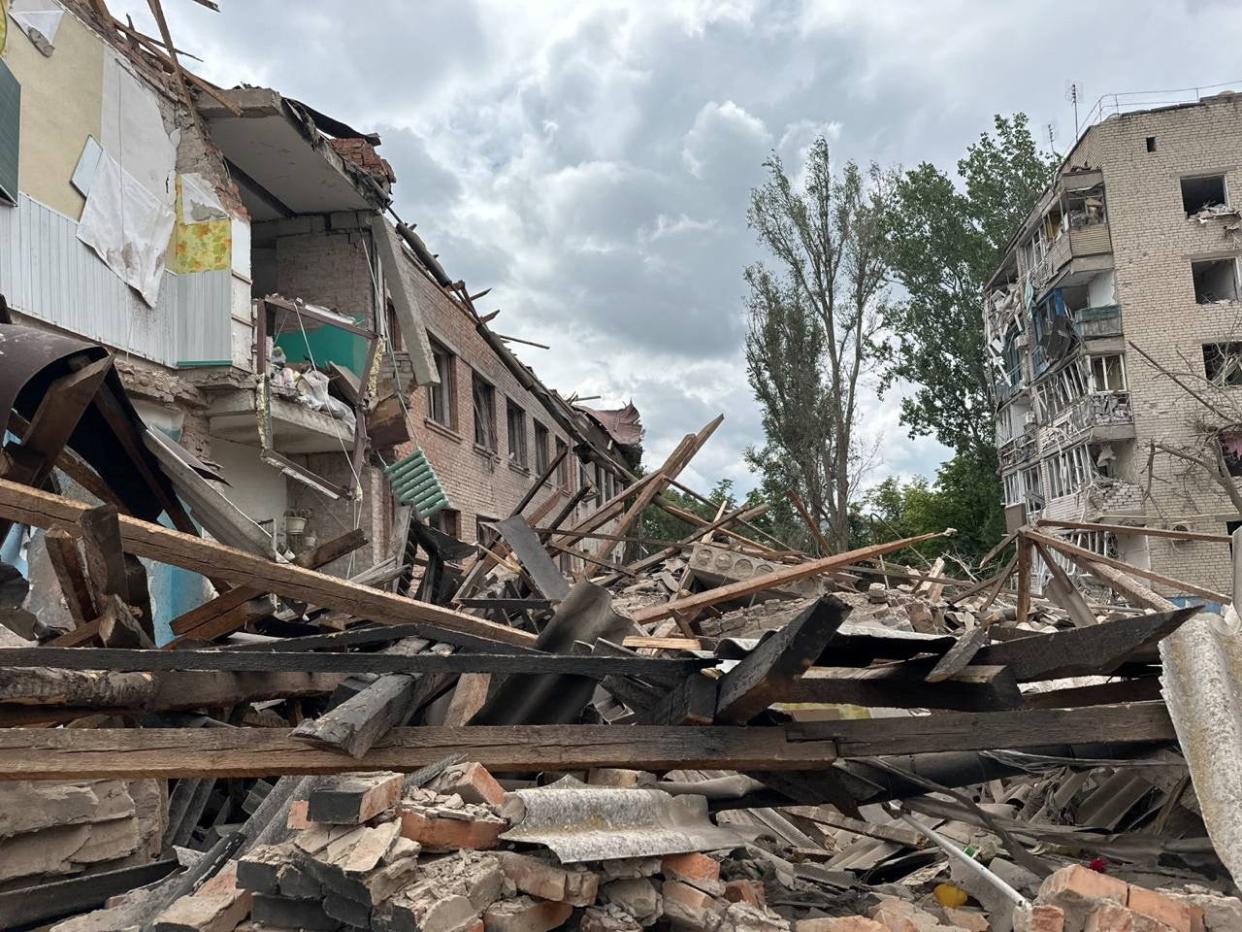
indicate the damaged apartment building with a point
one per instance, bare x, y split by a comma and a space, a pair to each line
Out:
284, 338
1113, 330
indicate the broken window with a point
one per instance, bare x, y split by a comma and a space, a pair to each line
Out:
1013, 489
1216, 280
541, 448
1104, 457
484, 412
1108, 374
10, 133
442, 398
1222, 363
1034, 487
1085, 207
562, 467
584, 475
1151, 143
1231, 448
447, 521
1203, 191
515, 424
484, 533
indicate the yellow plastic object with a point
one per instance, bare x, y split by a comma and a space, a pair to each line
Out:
951, 895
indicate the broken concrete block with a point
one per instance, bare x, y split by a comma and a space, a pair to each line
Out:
28, 807
637, 896
438, 833
607, 917
574, 885
421, 910
214, 912
353, 798
1174, 914
746, 917
295, 882
472, 782
1219, 912
285, 912
525, 914
628, 868
689, 907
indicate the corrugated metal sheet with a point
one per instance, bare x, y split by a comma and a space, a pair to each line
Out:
47, 273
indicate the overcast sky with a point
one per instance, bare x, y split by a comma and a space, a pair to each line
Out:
591, 162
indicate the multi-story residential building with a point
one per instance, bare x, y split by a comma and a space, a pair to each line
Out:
1134, 246
235, 250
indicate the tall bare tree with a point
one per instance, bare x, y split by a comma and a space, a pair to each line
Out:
814, 309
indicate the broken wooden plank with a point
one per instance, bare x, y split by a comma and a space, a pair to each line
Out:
144, 539
75, 586
976, 688
1096, 650
51, 899
767, 673
690, 702
1179, 585
67, 658
1138, 722
1063, 592
772, 580
106, 753
959, 655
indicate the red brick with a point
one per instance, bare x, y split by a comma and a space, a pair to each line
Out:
298, 818
449, 834
1173, 914
745, 891
892, 915
1078, 886
689, 906
473, 783
1114, 918
549, 881
354, 798
223, 882
691, 868
1040, 918
838, 924
525, 914
972, 920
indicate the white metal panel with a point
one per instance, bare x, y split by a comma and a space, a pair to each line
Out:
47, 273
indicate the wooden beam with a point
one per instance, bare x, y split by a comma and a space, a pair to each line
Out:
821, 541
774, 579
690, 702
42, 509
975, 688
1134, 529
1096, 650
127, 660
1022, 606
1063, 592
1081, 552
768, 672
164, 753
66, 560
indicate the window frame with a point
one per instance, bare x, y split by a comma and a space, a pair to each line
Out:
518, 440
483, 396
445, 393
542, 447
563, 473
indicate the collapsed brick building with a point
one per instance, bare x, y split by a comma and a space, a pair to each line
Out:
1115, 306
285, 337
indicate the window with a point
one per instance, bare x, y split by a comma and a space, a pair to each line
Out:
484, 412
484, 534
541, 448
1151, 143
1231, 447
442, 398
562, 467
1222, 363
392, 328
1108, 374
447, 521
584, 475
1013, 489
10, 132
515, 424
1216, 280
1203, 191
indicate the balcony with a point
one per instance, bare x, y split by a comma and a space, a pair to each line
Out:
1019, 451
293, 427
1083, 251
1102, 497
1107, 416
1095, 322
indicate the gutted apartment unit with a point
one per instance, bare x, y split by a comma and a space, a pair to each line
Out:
1132, 250
285, 339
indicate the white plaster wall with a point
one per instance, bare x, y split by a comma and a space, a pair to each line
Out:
256, 488
1100, 290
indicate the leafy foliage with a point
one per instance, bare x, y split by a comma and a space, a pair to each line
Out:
813, 317
943, 242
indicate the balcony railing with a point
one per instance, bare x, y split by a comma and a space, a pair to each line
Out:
1094, 322
1090, 240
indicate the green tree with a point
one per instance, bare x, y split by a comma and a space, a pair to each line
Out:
943, 242
814, 312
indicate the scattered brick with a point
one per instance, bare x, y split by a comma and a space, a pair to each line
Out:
745, 891
212, 912
838, 924
525, 914
1040, 918
689, 907
353, 798
1145, 902
472, 782
576, 886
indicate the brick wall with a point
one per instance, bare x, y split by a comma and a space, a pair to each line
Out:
1154, 244
479, 484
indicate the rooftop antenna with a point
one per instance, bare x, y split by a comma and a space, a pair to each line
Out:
1073, 93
